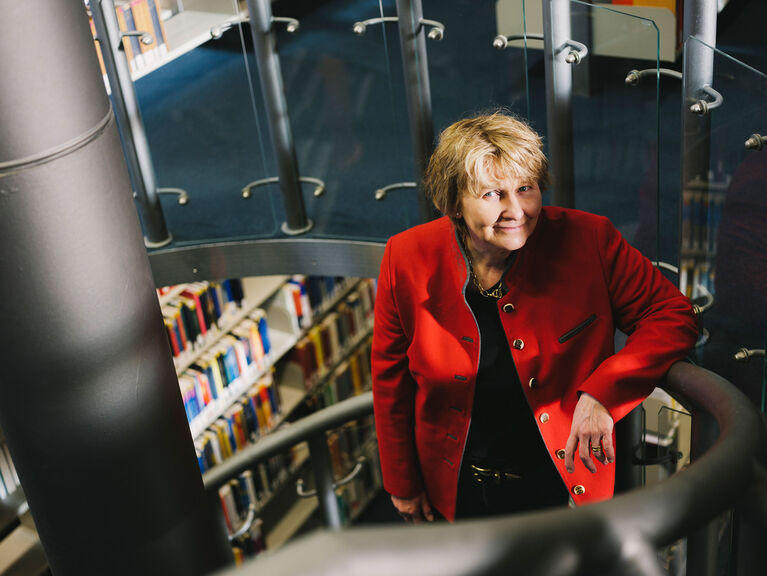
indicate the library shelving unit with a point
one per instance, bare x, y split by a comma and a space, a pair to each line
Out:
315, 345
188, 24
157, 32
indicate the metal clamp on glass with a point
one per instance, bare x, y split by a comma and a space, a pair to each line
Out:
217, 31
183, 197
634, 77
245, 526
292, 25
342, 482
144, 37
318, 191
756, 142
501, 42
701, 107
577, 51
708, 300
382, 192
437, 31
744, 354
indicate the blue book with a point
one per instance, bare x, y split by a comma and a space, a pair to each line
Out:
274, 398
230, 362
264, 332
130, 24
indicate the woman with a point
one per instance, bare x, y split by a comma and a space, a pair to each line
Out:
493, 358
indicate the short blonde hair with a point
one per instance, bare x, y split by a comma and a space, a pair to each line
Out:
472, 152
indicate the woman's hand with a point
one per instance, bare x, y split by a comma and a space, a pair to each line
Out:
592, 428
414, 510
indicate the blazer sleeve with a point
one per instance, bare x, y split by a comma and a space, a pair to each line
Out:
658, 319
393, 390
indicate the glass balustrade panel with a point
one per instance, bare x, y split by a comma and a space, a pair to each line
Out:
481, 64
614, 124
723, 259
345, 90
203, 115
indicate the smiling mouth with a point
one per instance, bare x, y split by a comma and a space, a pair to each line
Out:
509, 228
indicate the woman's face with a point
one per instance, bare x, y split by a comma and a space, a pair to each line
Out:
502, 216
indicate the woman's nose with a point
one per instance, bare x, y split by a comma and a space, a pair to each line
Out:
512, 208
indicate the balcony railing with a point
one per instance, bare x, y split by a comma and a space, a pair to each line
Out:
619, 536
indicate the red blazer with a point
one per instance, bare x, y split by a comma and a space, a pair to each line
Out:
573, 283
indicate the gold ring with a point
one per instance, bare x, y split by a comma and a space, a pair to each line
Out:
596, 449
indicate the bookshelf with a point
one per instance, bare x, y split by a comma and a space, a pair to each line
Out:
185, 31
240, 378
176, 27
338, 325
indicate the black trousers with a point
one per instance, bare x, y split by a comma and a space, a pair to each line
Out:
535, 490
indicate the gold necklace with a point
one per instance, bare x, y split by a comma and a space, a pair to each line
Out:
494, 292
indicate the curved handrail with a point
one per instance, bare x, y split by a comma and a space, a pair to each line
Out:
266, 256
285, 438
615, 536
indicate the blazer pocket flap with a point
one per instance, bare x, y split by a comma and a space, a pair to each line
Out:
579, 328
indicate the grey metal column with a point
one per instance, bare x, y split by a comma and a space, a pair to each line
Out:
89, 401
128, 115
324, 482
273, 90
699, 21
412, 39
559, 92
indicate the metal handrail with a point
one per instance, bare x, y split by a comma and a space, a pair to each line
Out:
285, 438
618, 536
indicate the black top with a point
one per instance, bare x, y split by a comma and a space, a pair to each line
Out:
503, 433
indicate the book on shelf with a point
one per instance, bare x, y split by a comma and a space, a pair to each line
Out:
127, 22
252, 415
192, 311
324, 345
158, 28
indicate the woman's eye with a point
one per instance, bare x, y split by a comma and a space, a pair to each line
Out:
524, 188
491, 194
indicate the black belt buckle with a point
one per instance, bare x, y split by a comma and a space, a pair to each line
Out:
481, 475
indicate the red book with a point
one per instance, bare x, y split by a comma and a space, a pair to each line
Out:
198, 309
172, 336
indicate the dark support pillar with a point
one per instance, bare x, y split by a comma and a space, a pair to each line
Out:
273, 91
412, 38
89, 401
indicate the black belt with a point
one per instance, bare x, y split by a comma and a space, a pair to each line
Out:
481, 475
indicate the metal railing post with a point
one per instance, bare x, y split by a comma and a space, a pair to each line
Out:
559, 93
128, 114
412, 38
322, 467
273, 91
703, 544
699, 21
